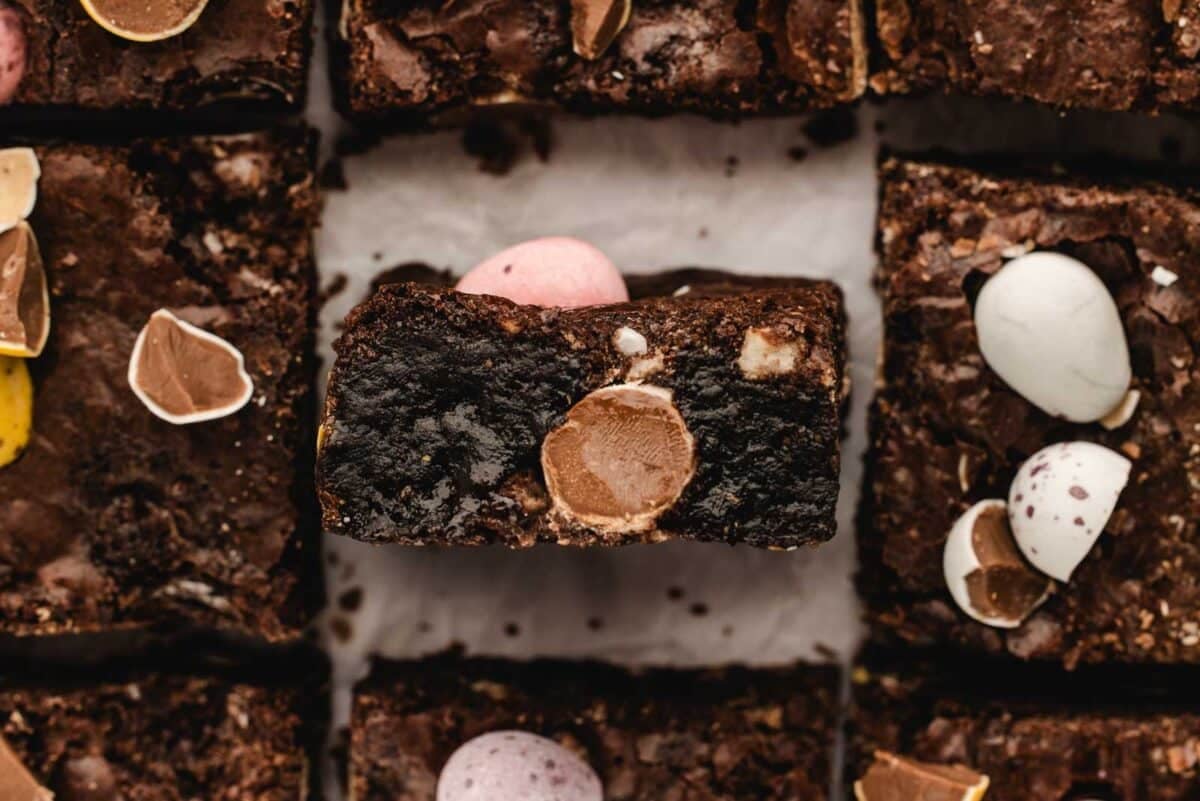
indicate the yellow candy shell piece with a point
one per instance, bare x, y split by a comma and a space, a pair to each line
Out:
16, 408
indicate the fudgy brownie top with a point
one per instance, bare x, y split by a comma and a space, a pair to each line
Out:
719, 57
439, 403
947, 432
1115, 55
1038, 735
248, 50
114, 518
159, 738
718, 735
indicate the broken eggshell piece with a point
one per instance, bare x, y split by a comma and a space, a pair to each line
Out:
1060, 502
24, 295
19, 173
986, 574
622, 457
186, 375
516, 766
1050, 329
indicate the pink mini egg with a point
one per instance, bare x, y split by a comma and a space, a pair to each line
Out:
13, 52
552, 272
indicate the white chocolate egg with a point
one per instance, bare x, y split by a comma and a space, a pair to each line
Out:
1050, 329
1060, 501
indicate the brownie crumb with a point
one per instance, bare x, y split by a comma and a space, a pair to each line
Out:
512, 630
727, 630
330, 291
341, 628
595, 623
674, 593
424, 627
351, 599
797, 153
357, 143
333, 175
698, 609
833, 127
493, 145
731, 165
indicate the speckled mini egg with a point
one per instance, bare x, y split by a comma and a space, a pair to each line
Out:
516, 766
1050, 329
1060, 501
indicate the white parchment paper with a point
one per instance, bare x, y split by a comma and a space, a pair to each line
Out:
651, 194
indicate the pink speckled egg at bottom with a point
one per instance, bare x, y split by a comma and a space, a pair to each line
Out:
516, 766
12, 52
552, 272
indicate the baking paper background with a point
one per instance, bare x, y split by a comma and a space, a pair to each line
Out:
651, 194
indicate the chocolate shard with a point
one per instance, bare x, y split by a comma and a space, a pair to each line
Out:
16, 782
896, 778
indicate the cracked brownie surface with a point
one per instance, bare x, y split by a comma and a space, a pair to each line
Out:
1039, 734
1117, 55
407, 60
947, 432
113, 518
255, 51
159, 738
717, 735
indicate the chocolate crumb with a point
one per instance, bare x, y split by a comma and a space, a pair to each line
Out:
334, 288
674, 593
333, 175
512, 630
341, 628
731, 165
351, 599
833, 127
595, 623
797, 153
698, 609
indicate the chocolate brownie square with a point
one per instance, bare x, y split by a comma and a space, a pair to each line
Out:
1120, 55
456, 419
154, 737
247, 52
1036, 732
419, 60
722, 734
947, 431
114, 519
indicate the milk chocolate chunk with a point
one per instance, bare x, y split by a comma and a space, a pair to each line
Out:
144, 20
184, 374
24, 297
895, 778
19, 173
623, 456
16, 782
596, 23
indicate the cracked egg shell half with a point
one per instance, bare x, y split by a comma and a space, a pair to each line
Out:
1049, 327
986, 574
1060, 502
